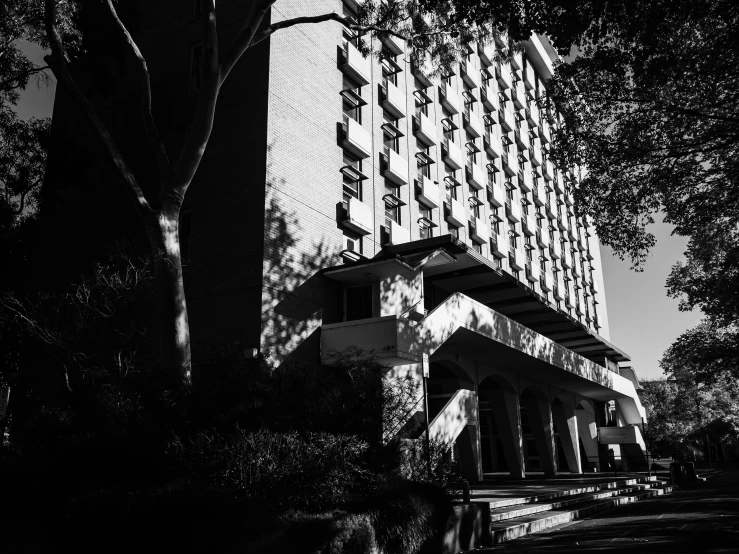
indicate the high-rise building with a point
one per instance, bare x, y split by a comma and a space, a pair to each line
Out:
349, 201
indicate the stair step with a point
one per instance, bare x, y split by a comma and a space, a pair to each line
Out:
507, 529
510, 512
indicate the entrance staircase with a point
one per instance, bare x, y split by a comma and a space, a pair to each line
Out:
511, 511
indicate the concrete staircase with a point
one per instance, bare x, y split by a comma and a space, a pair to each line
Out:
500, 512
513, 518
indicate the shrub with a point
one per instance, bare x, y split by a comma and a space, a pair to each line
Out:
282, 470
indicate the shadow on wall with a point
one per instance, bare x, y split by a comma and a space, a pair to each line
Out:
296, 297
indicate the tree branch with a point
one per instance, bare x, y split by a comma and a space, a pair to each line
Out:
245, 37
152, 134
58, 64
345, 21
202, 125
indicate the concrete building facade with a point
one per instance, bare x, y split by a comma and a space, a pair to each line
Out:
349, 201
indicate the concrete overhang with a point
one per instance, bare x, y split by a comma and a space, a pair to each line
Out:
477, 277
380, 268
460, 326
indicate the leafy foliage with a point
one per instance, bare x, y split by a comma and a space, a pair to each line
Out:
650, 107
22, 143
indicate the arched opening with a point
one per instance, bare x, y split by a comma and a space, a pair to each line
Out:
445, 380
537, 432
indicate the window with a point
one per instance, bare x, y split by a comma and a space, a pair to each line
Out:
474, 203
495, 221
512, 239
426, 222
197, 9
352, 174
423, 161
352, 101
451, 182
358, 302
449, 128
196, 68
390, 134
422, 103
392, 206
390, 68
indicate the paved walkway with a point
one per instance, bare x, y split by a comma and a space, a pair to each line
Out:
700, 518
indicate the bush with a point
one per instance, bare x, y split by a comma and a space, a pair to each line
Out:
283, 471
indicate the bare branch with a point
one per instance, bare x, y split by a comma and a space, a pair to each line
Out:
152, 134
345, 21
57, 62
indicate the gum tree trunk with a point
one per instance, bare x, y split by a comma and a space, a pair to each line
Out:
174, 330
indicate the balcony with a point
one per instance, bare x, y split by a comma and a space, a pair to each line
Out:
538, 191
487, 54
359, 217
545, 281
470, 73
555, 250
510, 164
428, 192
535, 156
576, 271
529, 79
522, 139
394, 167
503, 76
356, 66
498, 246
356, 139
475, 176
487, 97
550, 210
547, 170
525, 181
505, 118
533, 271
393, 101
479, 230
398, 234
532, 114
529, 223
569, 199
566, 260
455, 213
424, 129
395, 45
496, 195
558, 183
542, 239
516, 259
491, 145
449, 99
545, 135
452, 155
569, 300
472, 124
513, 211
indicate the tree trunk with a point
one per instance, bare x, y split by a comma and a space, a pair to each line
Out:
174, 330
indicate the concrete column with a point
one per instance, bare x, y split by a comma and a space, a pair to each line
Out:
566, 420
469, 454
588, 431
507, 416
540, 419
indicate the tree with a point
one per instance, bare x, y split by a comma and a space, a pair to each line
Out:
436, 28
650, 107
22, 147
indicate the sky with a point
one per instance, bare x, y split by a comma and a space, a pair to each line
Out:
643, 320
